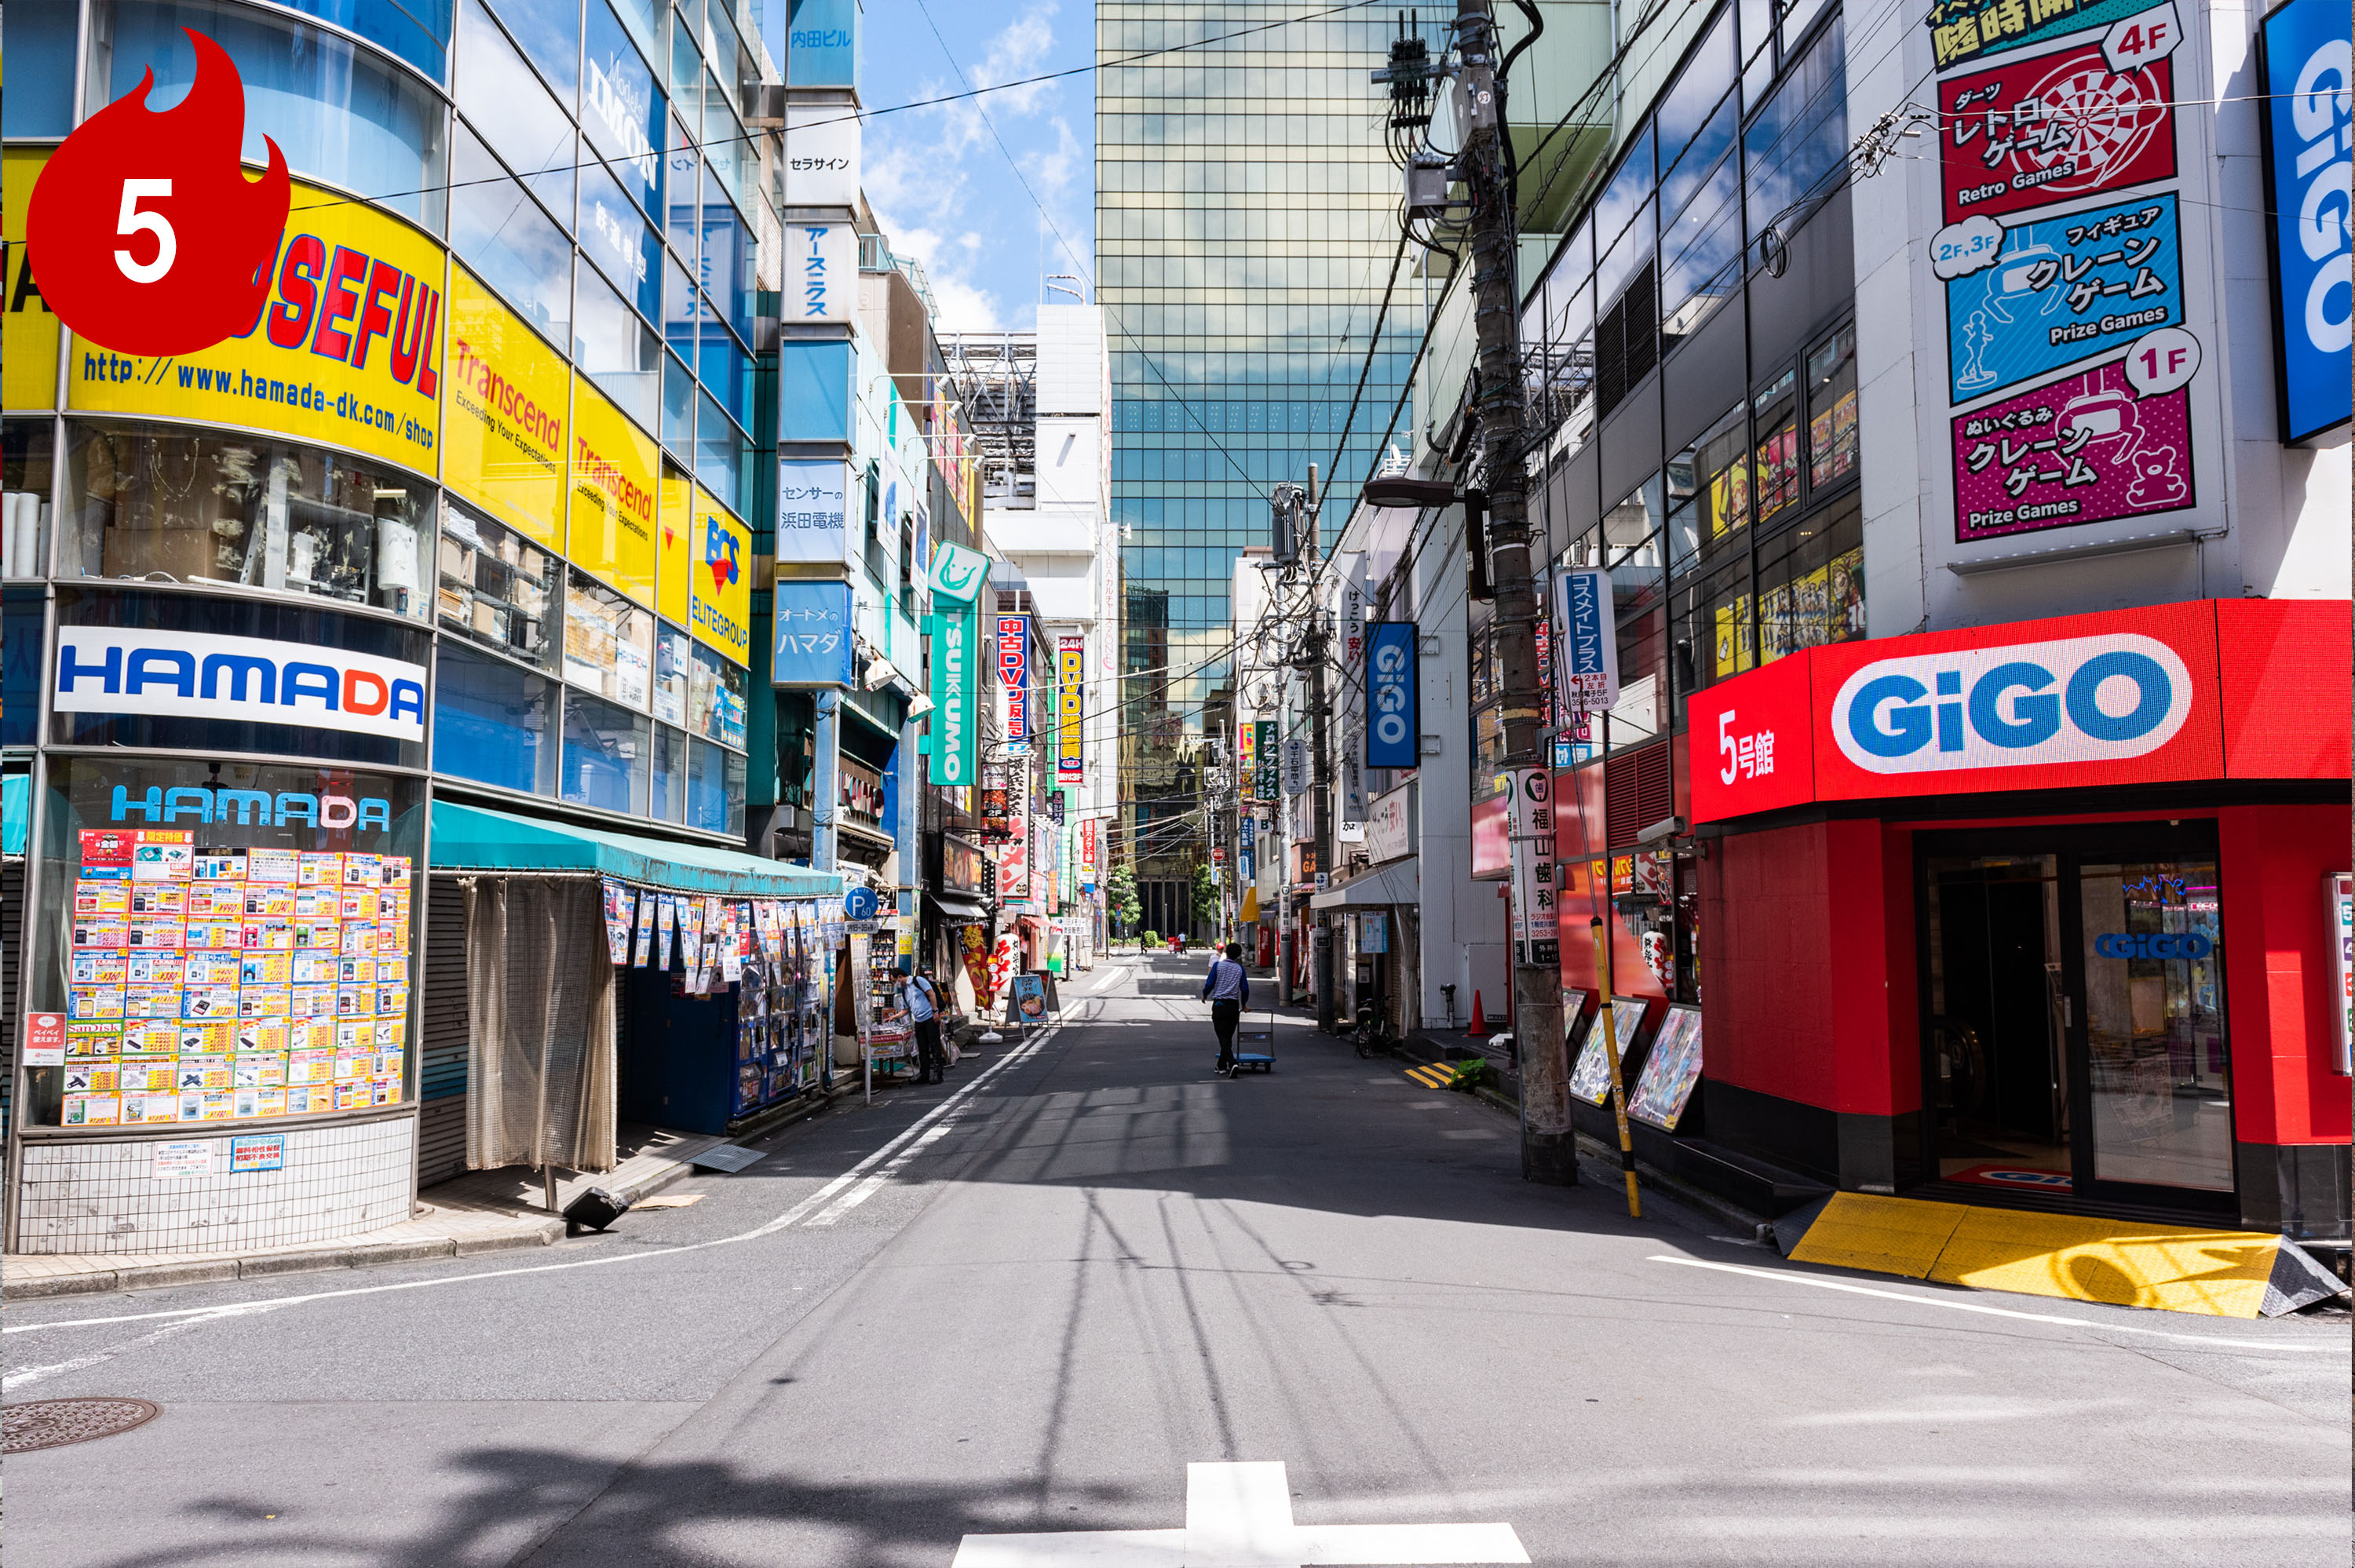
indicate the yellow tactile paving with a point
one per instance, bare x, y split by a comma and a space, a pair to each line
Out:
1431, 1077
2176, 1268
1885, 1235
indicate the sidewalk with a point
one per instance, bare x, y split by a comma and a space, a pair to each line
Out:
483, 1211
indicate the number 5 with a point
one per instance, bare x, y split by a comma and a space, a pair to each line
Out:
1725, 747
132, 221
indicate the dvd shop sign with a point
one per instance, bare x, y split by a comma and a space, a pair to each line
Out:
2075, 700
240, 680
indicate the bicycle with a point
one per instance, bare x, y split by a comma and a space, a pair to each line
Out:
1367, 1036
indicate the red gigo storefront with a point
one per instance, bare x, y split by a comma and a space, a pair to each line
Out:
2045, 912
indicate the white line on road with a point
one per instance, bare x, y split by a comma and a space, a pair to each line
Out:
1105, 984
914, 1131
1785, 1277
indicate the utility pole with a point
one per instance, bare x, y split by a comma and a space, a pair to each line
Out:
1320, 783
1548, 1146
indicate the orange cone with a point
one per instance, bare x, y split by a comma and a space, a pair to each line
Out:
1480, 1024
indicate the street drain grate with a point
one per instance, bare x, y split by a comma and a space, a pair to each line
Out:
54, 1423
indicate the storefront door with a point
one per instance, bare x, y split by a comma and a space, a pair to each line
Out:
2073, 1023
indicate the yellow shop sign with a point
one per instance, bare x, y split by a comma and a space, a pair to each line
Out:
614, 516
346, 351
507, 406
675, 555
28, 343
723, 609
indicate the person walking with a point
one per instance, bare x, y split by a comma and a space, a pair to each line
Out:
922, 999
1226, 988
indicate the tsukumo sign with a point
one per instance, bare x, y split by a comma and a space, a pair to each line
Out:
2209, 689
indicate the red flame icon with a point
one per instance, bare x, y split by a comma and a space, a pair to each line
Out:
143, 232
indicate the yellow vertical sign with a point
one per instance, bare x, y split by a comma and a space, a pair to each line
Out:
28, 343
720, 610
674, 555
505, 396
611, 531
1072, 669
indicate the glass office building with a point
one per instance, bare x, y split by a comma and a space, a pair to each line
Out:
1246, 218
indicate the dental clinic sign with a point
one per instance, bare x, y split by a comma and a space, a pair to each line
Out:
2206, 689
241, 679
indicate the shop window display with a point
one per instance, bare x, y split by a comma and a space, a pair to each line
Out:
1831, 409
1721, 470
245, 510
26, 451
715, 789
1811, 584
492, 721
496, 587
608, 642
229, 941
667, 788
715, 698
605, 761
1776, 483
674, 660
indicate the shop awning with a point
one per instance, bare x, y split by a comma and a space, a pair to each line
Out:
470, 838
1401, 881
959, 905
16, 813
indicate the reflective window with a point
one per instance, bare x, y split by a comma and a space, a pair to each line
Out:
673, 661
721, 451
1691, 105
617, 350
715, 789
491, 721
26, 465
246, 510
1626, 191
41, 41
1775, 414
337, 113
715, 698
620, 108
606, 763
508, 106
1831, 408
1811, 584
725, 371
549, 32
678, 404
619, 240
497, 586
503, 236
1800, 138
666, 799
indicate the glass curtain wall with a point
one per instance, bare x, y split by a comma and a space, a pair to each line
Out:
1245, 221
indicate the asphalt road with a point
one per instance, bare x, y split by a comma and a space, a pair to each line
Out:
1025, 1302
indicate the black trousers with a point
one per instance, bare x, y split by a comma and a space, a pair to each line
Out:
1224, 1016
930, 1058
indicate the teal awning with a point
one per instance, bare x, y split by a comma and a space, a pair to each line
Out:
16, 813
469, 838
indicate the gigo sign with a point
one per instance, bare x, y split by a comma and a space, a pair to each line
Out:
2077, 700
2160, 944
244, 680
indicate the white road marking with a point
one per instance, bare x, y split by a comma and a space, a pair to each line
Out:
869, 1185
1105, 984
1240, 1516
25, 1377
792, 1216
1785, 1276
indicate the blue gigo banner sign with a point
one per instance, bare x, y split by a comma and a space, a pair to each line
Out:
1393, 695
2308, 107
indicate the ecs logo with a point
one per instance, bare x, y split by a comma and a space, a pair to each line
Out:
719, 553
2077, 700
143, 232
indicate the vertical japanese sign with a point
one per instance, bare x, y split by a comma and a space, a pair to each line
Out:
1247, 759
1014, 679
1590, 642
1265, 732
821, 272
954, 632
1393, 700
1088, 853
813, 500
1071, 707
2341, 889
813, 646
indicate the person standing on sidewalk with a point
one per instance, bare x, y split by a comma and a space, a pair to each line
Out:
1226, 988
918, 995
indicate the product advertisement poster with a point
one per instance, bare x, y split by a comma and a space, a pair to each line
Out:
2026, 299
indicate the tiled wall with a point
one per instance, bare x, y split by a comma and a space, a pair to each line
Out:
104, 1195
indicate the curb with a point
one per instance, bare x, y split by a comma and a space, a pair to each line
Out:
363, 1254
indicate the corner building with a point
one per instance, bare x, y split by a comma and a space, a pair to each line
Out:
444, 564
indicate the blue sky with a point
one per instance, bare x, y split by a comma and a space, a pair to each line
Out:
939, 182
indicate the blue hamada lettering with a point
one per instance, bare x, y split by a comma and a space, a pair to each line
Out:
255, 807
252, 680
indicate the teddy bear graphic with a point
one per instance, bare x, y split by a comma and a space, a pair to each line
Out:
2157, 483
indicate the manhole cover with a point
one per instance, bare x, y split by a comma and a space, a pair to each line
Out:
54, 1423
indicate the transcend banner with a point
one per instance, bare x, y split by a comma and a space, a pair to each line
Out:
243, 680
1072, 669
1014, 676
509, 397
346, 350
614, 465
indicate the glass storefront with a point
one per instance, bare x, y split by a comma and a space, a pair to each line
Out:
2073, 1020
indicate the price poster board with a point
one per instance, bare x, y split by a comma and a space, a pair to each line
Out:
1591, 1079
230, 984
1670, 1071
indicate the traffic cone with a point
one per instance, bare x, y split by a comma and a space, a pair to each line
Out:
1480, 1024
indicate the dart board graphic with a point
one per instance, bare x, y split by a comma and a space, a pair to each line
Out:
2053, 129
